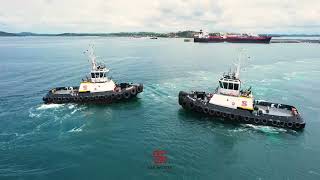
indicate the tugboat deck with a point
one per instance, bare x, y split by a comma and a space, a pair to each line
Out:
274, 111
64, 91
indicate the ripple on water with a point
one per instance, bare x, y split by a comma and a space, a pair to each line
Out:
77, 129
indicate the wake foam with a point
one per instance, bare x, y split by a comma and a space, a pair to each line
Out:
49, 106
266, 129
75, 129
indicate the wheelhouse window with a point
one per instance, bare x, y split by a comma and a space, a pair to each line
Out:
236, 87
225, 85
220, 84
92, 75
230, 86
97, 75
101, 74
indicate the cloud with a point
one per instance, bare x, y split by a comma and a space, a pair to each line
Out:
258, 16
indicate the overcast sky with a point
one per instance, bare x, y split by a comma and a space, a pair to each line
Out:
255, 16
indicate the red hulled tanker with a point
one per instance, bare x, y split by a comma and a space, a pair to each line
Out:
231, 38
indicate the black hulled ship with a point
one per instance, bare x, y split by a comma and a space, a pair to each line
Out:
99, 88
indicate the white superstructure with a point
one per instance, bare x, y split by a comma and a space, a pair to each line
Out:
98, 81
202, 34
228, 93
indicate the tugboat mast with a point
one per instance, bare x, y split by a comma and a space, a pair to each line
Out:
92, 57
237, 73
238, 65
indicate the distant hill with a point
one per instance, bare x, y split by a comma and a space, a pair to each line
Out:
179, 34
26, 34
7, 34
293, 35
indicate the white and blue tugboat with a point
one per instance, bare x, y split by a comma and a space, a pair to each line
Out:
96, 89
235, 105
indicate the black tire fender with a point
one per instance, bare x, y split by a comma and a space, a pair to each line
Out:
191, 105
211, 112
133, 91
275, 122
205, 110
224, 115
264, 121
140, 88
126, 95
119, 96
256, 120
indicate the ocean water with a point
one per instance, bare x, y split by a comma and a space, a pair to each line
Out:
117, 141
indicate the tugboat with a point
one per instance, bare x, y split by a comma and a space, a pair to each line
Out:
96, 89
231, 103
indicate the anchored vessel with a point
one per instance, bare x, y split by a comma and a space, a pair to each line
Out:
248, 38
96, 89
231, 103
231, 38
205, 37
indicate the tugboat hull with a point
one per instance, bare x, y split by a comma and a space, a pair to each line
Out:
191, 102
65, 95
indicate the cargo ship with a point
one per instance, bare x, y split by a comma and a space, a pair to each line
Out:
231, 38
248, 38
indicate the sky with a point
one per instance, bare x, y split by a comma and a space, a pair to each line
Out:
92, 16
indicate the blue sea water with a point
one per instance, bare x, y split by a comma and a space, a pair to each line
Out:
117, 141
